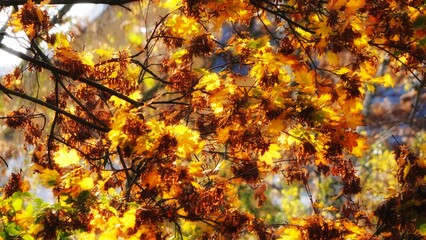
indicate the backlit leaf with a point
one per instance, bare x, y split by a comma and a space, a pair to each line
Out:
66, 157
272, 153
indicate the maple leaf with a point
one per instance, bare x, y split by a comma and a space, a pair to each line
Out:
86, 183
128, 220
152, 179
188, 140
66, 157
49, 177
305, 78
360, 147
209, 81
272, 153
181, 25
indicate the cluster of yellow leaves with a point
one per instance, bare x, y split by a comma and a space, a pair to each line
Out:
115, 225
188, 140
239, 11
183, 26
120, 103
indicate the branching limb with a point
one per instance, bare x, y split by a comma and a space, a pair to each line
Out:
52, 107
59, 71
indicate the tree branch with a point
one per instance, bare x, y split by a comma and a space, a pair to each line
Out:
59, 71
7, 3
53, 107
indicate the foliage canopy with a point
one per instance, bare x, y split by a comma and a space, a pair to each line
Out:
213, 106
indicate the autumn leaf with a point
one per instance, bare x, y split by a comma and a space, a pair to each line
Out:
290, 234
49, 177
86, 183
128, 220
209, 81
188, 140
195, 168
172, 4
342, 70
152, 179
66, 157
272, 153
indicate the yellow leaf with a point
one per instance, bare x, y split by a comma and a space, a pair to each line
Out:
361, 41
87, 59
357, 24
66, 157
172, 4
49, 177
61, 41
128, 220
353, 228
136, 95
332, 59
86, 183
370, 88
152, 179
275, 126
110, 234
25, 218
177, 56
388, 80
303, 33
135, 38
342, 70
358, 150
407, 169
195, 169
183, 26
291, 233
324, 30
35, 228
210, 81
117, 102
304, 77
188, 140
354, 5
421, 162
222, 135
217, 107
272, 153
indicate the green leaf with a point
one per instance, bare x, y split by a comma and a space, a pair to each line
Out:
421, 225
27, 237
13, 229
17, 203
419, 23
